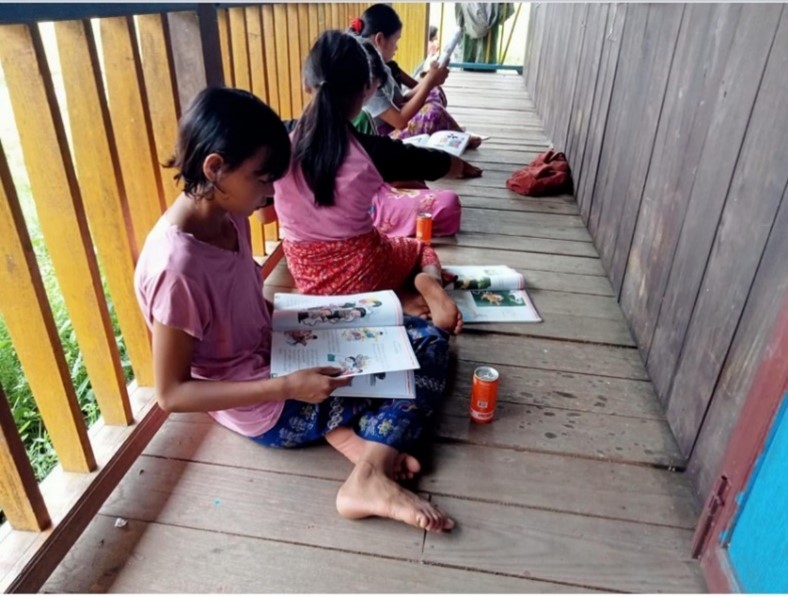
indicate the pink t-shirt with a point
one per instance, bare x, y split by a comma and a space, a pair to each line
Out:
215, 296
356, 184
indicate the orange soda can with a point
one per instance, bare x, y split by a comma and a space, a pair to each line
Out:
484, 394
424, 227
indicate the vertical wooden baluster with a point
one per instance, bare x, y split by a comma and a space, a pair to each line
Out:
159, 76
28, 317
61, 214
282, 61
224, 42
131, 125
98, 173
20, 497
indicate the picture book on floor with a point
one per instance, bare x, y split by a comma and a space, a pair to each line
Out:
490, 294
453, 142
361, 334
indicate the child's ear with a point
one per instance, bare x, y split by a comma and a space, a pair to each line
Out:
211, 166
378, 39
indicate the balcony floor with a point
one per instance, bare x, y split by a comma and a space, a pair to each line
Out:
571, 489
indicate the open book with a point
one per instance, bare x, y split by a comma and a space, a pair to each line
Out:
362, 334
490, 293
453, 142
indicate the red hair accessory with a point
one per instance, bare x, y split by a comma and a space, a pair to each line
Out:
357, 25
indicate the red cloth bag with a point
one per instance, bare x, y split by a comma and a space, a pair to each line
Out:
547, 174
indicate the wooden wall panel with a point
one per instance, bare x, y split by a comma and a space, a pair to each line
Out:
699, 65
758, 184
600, 109
768, 295
679, 149
732, 107
588, 73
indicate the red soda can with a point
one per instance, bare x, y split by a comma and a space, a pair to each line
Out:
424, 227
484, 394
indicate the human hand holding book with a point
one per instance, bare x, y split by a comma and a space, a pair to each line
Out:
359, 335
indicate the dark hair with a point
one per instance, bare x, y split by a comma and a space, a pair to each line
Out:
376, 68
337, 69
380, 18
433, 32
233, 123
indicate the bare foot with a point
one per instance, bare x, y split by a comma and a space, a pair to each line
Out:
443, 309
351, 446
369, 492
413, 304
474, 142
405, 467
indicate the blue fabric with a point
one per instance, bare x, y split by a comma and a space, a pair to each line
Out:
395, 423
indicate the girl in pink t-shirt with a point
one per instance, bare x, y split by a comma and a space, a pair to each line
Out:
323, 200
201, 294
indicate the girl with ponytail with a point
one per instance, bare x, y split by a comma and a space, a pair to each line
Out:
324, 201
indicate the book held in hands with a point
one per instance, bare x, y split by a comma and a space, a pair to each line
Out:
361, 334
490, 294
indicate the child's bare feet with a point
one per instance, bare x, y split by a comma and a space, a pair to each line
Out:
369, 492
413, 304
474, 142
443, 310
351, 446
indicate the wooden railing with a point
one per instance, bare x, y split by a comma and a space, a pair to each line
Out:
94, 166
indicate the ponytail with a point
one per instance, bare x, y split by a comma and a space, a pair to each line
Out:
337, 70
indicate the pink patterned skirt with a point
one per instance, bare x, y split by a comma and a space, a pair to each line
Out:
432, 117
394, 211
371, 261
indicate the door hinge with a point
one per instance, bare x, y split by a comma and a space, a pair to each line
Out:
714, 504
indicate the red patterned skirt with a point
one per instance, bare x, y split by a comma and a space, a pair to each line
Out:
371, 261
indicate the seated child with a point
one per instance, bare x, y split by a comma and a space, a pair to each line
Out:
201, 295
397, 204
420, 111
323, 201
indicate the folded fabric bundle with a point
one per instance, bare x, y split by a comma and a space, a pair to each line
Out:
548, 174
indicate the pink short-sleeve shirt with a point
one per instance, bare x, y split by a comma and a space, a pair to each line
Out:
215, 296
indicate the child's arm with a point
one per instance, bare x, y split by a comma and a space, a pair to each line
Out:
407, 80
177, 391
399, 117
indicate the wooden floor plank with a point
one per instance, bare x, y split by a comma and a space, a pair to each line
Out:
567, 432
486, 198
556, 389
560, 227
116, 560
519, 259
246, 502
588, 487
612, 555
559, 483
552, 355
531, 245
